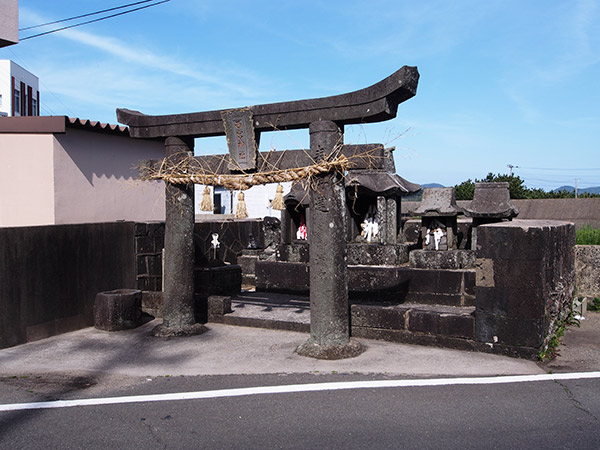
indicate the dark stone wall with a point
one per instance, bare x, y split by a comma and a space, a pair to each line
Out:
149, 243
524, 282
448, 326
235, 236
50, 275
377, 283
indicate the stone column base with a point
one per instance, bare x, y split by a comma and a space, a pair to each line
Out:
336, 351
189, 330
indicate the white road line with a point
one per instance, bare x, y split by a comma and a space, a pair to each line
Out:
293, 388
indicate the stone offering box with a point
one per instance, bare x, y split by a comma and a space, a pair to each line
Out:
118, 310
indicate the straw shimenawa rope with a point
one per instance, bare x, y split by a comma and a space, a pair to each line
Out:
183, 173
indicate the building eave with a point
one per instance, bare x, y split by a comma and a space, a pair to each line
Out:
56, 125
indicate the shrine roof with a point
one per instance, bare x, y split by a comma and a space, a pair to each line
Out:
378, 182
381, 182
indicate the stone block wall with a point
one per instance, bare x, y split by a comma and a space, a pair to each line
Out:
525, 275
587, 270
377, 283
581, 211
415, 324
235, 236
149, 241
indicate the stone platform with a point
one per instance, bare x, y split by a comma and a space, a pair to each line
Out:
268, 310
367, 284
438, 325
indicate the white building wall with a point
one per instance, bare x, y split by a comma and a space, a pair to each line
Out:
9, 69
257, 198
5, 88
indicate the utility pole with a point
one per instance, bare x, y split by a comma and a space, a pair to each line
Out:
511, 167
576, 180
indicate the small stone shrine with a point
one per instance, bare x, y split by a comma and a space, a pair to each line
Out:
438, 213
491, 203
439, 232
373, 199
374, 234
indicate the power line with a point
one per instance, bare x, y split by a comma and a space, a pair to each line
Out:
84, 15
561, 168
92, 21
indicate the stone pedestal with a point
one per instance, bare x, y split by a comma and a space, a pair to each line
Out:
118, 310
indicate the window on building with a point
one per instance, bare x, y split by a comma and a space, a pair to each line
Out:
34, 110
17, 101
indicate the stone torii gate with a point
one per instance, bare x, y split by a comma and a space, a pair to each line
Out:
325, 118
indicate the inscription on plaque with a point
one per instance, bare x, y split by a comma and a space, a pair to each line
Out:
239, 129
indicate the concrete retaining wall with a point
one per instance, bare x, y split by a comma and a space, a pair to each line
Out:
50, 275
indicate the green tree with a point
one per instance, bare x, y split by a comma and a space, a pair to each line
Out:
464, 190
516, 188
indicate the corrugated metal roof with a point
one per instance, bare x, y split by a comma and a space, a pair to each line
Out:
95, 125
57, 124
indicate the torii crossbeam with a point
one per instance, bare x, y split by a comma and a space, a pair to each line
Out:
325, 118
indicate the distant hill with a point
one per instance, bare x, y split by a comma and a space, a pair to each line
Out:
590, 190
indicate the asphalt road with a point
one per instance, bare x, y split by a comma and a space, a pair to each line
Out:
532, 415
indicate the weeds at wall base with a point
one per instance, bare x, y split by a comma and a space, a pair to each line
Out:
551, 349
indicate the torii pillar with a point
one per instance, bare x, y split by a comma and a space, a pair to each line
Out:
329, 309
179, 312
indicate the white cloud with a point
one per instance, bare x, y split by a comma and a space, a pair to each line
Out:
140, 67
152, 60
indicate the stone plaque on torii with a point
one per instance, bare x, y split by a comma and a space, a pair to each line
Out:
325, 118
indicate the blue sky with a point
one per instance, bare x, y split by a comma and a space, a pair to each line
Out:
502, 82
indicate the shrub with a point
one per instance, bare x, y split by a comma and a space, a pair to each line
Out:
587, 236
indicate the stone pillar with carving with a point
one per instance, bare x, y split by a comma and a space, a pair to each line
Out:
329, 310
178, 290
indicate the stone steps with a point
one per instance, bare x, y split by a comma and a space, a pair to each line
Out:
268, 310
414, 323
